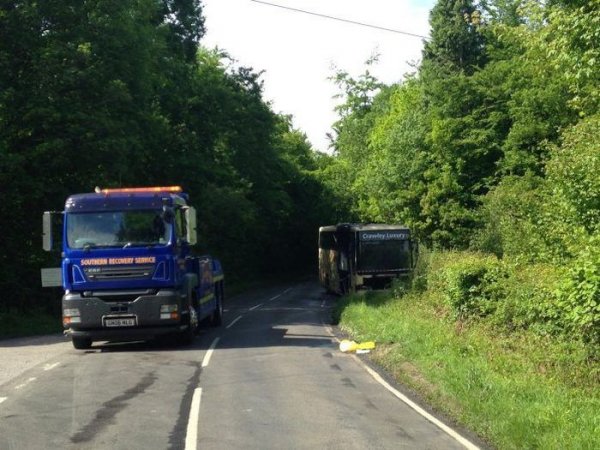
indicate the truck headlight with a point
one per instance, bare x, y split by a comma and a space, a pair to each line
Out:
169, 312
71, 315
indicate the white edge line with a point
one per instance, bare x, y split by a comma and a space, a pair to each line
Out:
468, 444
287, 290
50, 366
276, 297
26, 383
209, 353
233, 322
256, 306
2, 399
191, 434
464, 441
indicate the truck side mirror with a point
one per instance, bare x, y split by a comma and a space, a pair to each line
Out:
47, 231
190, 222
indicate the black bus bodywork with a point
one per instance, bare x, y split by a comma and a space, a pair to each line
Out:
354, 256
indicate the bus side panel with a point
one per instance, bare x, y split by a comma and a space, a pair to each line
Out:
329, 276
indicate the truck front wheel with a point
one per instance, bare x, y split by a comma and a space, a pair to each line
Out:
81, 343
186, 337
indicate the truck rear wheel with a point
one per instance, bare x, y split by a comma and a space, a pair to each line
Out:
216, 318
81, 343
186, 337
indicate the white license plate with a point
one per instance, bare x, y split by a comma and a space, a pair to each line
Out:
120, 322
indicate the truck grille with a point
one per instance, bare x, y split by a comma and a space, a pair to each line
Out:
136, 272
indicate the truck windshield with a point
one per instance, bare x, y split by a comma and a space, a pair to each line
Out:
117, 229
375, 255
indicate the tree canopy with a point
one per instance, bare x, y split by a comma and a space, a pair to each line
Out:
122, 93
491, 145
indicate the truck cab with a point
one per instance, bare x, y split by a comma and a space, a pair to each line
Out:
128, 270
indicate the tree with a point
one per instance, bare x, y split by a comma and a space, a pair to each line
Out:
74, 112
456, 43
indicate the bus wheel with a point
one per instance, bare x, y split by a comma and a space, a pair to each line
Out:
345, 286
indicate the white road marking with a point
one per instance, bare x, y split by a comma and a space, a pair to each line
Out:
276, 297
287, 290
26, 383
330, 331
2, 399
464, 441
191, 434
454, 434
50, 366
233, 322
256, 306
209, 353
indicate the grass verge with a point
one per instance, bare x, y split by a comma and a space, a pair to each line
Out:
516, 390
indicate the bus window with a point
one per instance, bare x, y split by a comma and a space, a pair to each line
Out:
326, 240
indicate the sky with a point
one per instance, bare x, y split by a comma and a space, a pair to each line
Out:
299, 52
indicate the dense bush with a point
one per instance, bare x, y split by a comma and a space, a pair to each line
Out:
573, 186
544, 298
530, 298
511, 217
578, 306
471, 284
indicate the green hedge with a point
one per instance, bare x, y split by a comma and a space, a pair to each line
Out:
544, 298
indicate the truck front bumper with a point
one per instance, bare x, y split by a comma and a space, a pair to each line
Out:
126, 334
144, 310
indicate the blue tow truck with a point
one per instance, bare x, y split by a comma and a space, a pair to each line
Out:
128, 271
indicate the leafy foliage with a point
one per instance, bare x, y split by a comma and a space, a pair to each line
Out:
492, 146
472, 285
121, 93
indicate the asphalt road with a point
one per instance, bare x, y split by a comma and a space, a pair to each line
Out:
271, 377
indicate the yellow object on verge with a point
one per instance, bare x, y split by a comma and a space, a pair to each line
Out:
351, 346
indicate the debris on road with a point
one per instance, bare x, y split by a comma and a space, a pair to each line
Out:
351, 346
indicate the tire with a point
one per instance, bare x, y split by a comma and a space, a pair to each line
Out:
345, 286
186, 337
328, 289
81, 343
216, 318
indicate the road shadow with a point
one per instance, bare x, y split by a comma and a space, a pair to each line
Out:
274, 324
296, 320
